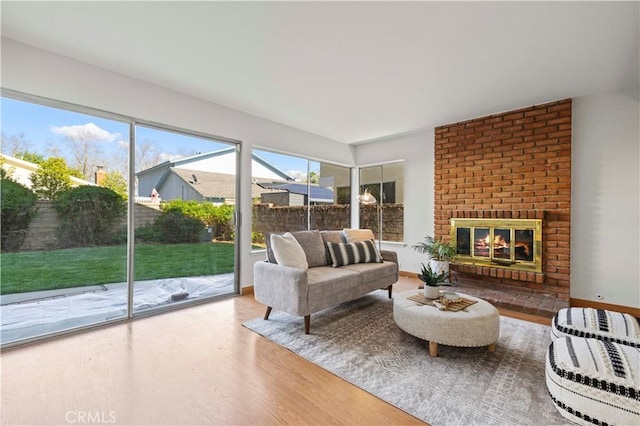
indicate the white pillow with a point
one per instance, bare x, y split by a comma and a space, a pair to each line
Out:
358, 235
288, 251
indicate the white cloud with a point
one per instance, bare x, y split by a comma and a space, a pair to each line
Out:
298, 175
165, 156
86, 132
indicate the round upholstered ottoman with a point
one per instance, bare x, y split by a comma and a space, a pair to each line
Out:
476, 325
594, 382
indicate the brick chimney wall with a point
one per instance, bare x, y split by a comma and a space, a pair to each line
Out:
100, 176
515, 164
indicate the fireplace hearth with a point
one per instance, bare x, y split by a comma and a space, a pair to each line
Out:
514, 244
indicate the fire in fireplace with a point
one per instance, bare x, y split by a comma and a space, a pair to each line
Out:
502, 243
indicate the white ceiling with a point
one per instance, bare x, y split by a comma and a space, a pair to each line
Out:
350, 71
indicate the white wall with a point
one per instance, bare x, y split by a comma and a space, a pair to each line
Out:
416, 150
42, 73
605, 219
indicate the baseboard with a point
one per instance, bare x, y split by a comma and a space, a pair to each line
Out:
246, 290
581, 303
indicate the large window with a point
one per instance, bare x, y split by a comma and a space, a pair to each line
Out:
293, 194
383, 208
104, 218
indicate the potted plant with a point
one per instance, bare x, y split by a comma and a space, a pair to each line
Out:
432, 280
438, 252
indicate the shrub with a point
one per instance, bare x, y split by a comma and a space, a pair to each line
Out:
174, 227
148, 233
17, 209
51, 179
88, 216
219, 218
257, 238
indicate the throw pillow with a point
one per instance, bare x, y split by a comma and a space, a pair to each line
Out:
357, 235
331, 237
361, 252
288, 251
313, 246
270, 257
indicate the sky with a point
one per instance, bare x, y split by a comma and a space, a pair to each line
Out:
51, 131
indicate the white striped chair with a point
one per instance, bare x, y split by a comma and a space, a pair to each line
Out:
594, 381
596, 324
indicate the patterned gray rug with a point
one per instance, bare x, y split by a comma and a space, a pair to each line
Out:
359, 342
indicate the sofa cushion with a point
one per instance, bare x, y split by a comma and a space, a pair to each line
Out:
348, 253
329, 286
357, 235
373, 272
313, 247
288, 251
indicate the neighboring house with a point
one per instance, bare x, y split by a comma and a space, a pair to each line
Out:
217, 188
206, 177
295, 194
20, 171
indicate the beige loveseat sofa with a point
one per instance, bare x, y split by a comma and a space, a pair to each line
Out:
302, 292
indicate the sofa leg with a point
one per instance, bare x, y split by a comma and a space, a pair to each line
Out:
390, 288
307, 322
266, 314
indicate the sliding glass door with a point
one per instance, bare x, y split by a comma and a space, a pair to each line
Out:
64, 227
184, 218
104, 218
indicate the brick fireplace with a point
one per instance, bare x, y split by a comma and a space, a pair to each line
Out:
512, 165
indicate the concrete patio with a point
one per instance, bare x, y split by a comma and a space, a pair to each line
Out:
27, 315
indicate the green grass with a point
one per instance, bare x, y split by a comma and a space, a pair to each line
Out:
50, 270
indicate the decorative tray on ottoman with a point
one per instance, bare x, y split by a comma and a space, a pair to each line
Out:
449, 301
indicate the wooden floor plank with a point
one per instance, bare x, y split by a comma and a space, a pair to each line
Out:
192, 366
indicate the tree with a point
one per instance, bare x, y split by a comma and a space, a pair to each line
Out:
313, 178
32, 157
117, 183
15, 144
82, 143
147, 154
51, 179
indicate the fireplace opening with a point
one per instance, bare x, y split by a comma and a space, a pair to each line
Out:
506, 243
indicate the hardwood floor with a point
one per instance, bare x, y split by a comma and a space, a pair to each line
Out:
193, 366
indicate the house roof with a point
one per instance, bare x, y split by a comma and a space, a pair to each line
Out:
319, 194
185, 161
29, 167
211, 185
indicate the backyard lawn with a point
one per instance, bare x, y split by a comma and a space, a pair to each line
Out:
49, 270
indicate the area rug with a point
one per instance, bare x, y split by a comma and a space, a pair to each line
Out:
359, 342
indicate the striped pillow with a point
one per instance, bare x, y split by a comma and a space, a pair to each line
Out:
360, 252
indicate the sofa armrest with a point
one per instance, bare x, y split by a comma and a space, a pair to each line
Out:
391, 256
281, 287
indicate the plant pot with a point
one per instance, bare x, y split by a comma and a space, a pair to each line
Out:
440, 266
431, 292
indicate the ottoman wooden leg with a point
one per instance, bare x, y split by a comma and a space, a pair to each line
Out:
492, 347
433, 349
